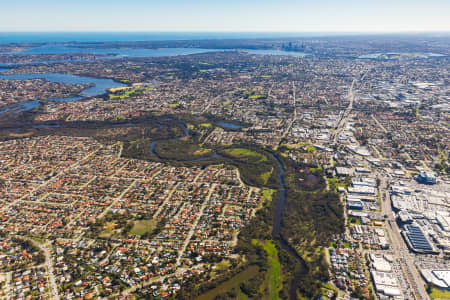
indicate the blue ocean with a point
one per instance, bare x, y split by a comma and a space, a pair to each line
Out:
61, 37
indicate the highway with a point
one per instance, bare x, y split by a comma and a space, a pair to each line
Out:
294, 118
343, 121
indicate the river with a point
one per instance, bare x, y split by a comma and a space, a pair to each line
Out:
278, 213
276, 227
112, 53
187, 132
100, 86
121, 52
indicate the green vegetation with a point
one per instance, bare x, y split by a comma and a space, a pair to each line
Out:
437, 293
268, 195
126, 92
255, 165
231, 287
265, 176
251, 279
311, 149
273, 283
244, 154
311, 215
355, 221
334, 183
181, 150
115, 225
108, 229
142, 227
253, 97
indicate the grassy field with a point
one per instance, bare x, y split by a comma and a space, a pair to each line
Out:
183, 149
265, 176
254, 97
439, 294
311, 149
143, 226
203, 151
267, 195
273, 283
108, 229
125, 92
355, 221
232, 283
246, 155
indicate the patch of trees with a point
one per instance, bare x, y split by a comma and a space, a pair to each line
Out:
311, 215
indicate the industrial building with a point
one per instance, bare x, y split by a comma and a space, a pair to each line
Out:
439, 278
426, 177
416, 239
386, 283
354, 204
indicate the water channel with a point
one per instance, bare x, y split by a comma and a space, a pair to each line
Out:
279, 207
276, 227
99, 86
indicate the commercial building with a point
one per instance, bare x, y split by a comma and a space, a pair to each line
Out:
426, 177
439, 278
385, 283
416, 239
355, 204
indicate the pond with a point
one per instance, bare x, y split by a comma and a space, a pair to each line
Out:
229, 125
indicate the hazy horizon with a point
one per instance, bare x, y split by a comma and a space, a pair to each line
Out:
132, 36
346, 16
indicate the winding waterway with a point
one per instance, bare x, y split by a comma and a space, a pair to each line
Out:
276, 227
187, 133
281, 202
99, 86
278, 213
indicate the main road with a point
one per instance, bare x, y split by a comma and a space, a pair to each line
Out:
49, 264
401, 251
294, 118
343, 121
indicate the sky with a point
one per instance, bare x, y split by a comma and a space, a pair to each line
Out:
225, 16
